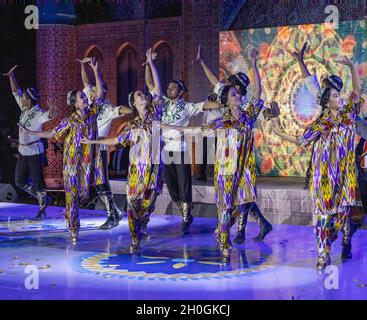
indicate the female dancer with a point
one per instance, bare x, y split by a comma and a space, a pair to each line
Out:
144, 181
105, 116
82, 164
240, 82
235, 167
333, 176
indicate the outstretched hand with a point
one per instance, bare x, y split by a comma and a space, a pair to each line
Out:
150, 55
51, 102
198, 56
274, 107
84, 60
94, 64
85, 140
253, 55
9, 73
299, 54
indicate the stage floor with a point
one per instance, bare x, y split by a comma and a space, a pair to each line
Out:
99, 266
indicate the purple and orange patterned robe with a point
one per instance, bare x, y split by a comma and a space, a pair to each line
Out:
333, 177
145, 175
235, 165
333, 173
82, 163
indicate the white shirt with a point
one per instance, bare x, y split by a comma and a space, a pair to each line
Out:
177, 114
105, 116
32, 119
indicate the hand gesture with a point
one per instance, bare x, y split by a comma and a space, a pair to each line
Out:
84, 60
151, 56
299, 54
51, 103
9, 73
85, 141
94, 64
198, 56
274, 107
253, 55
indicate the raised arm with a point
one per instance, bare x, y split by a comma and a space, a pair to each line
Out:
257, 81
39, 134
13, 81
211, 105
209, 74
356, 81
107, 141
157, 88
84, 74
284, 135
123, 110
299, 56
94, 65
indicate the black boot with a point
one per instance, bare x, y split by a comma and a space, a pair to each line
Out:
112, 221
242, 221
43, 201
347, 239
187, 218
265, 225
118, 212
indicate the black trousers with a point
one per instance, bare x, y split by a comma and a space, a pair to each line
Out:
104, 155
30, 168
178, 177
203, 166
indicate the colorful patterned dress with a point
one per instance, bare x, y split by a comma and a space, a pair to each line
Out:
235, 165
82, 163
333, 173
144, 181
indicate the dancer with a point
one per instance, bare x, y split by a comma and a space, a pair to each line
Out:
240, 82
106, 114
32, 157
177, 170
313, 86
145, 176
235, 167
333, 179
82, 164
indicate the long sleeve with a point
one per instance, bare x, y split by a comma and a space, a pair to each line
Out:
253, 109
311, 133
60, 131
312, 85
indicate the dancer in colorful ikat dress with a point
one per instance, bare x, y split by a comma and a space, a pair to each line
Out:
177, 168
240, 82
333, 174
106, 114
82, 164
145, 176
235, 167
313, 86
29, 167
